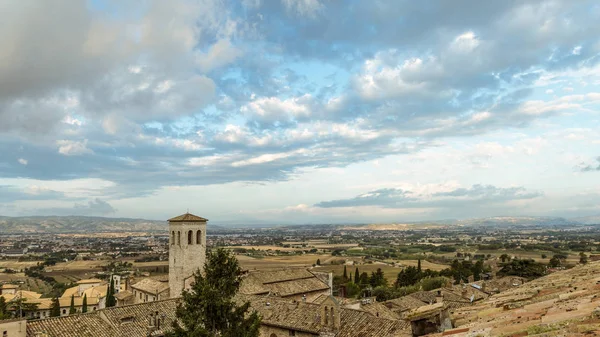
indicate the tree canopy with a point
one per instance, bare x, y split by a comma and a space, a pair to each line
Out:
209, 309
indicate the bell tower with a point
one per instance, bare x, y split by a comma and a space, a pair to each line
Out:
187, 250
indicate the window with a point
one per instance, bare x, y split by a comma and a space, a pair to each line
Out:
199, 237
94, 308
326, 316
173, 238
190, 237
64, 311
4, 333
146, 299
179, 238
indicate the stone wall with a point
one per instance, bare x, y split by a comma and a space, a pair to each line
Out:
13, 328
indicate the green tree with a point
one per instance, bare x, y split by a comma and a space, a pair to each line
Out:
378, 279
407, 277
504, 257
544, 256
419, 266
84, 304
583, 259
554, 262
209, 308
55, 308
4, 314
356, 276
72, 309
111, 301
345, 273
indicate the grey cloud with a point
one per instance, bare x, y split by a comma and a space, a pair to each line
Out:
590, 167
476, 195
9, 194
95, 206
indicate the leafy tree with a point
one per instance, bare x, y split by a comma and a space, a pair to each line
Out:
209, 308
352, 289
72, 309
20, 306
84, 304
524, 268
345, 273
407, 277
377, 279
544, 256
432, 283
111, 301
583, 259
4, 314
504, 257
55, 308
356, 276
554, 262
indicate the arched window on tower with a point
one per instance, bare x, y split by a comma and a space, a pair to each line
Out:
198, 237
332, 316
190, 237
173, 237
178, 238
326, 316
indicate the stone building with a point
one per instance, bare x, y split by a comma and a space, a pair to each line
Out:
149, 290
13, 328
187, 250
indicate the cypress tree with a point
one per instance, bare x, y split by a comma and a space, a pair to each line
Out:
345, 273
110, 297
84, 304
209, 308
72, 307
55, 309
356, 276
419, 265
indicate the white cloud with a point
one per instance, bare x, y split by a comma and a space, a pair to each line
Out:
73, 148
22, 161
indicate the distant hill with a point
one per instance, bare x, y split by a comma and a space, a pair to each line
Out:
589, 220
77, 224
519, 221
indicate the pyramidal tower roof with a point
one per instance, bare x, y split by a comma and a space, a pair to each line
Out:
188, 217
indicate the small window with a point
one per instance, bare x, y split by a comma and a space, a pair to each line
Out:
179, 238
64, 311
94, 308
173, 237
190, 234
199, 237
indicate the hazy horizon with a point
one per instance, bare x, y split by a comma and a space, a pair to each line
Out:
300, 111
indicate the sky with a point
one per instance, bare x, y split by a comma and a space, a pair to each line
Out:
300, 111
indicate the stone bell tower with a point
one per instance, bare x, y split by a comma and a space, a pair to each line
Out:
187, 250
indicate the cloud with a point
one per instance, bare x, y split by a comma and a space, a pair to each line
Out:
481, 195
590, 167
96, 206
73, 148
22, 161
10, 194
